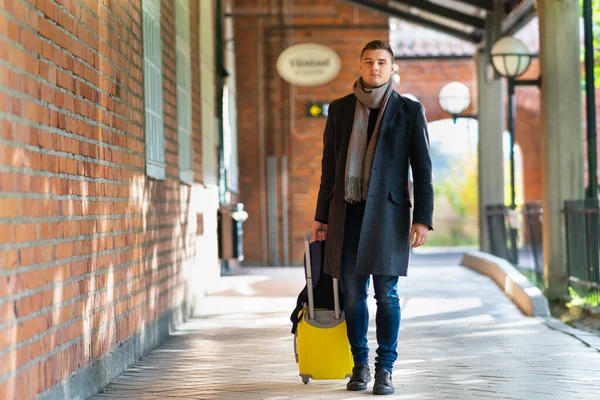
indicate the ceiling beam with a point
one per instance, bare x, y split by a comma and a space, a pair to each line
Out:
520, 16
433, 8
392, 12
487, 5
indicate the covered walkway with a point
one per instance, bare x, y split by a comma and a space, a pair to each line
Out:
461, 339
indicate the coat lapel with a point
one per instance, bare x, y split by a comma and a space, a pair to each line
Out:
394, 105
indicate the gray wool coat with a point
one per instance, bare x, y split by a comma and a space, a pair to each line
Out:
384, 246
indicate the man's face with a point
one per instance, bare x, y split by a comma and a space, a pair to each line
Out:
376, 67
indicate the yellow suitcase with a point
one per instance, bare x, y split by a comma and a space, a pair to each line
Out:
321, 343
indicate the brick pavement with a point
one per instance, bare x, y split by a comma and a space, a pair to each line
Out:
461, 339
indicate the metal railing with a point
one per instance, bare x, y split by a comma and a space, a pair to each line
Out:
523, 227
582, 225
516, 236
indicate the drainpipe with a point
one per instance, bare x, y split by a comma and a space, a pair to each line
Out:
590, 96
220, 84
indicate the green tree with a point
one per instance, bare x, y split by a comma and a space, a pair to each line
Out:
459, 190
596, 33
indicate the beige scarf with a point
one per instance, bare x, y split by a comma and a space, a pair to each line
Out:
360, 156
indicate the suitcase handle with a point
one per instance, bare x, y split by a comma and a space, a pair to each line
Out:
309, 287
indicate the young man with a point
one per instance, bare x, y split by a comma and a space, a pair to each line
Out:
363, 208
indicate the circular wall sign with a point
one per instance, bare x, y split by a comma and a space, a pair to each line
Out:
308, 64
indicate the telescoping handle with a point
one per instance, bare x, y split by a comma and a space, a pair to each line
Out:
309, 285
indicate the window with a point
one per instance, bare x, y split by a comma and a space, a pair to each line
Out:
230, 140
153, 102
210, 131
184, 92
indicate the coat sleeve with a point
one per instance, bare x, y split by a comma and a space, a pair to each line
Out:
327, 168
420, 162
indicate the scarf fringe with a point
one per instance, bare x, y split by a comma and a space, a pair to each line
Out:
354, 189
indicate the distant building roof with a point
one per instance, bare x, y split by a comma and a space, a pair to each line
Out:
410, 40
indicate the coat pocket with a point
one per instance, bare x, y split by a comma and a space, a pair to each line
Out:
399, 198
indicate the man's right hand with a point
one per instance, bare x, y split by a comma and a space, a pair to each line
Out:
319, 231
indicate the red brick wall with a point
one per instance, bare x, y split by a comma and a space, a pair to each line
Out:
424, 78
528, 137
585, 149
90, 249
528, 134
247, 47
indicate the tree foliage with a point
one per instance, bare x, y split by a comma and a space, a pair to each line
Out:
596, 35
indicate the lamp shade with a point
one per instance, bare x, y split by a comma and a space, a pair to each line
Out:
510, 57
454, 98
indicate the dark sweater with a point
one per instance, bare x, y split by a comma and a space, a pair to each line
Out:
372, 120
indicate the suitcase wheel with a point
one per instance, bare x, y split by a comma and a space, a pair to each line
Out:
305, 380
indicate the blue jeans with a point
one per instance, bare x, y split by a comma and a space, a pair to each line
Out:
356, 289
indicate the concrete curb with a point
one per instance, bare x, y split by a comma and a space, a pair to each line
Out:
528, 297
590, 339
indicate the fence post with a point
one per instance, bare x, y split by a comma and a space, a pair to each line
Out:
496, 216
533, 215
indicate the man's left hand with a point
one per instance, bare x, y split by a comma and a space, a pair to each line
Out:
418, 235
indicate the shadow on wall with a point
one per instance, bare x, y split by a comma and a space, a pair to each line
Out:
109, 256
95, 252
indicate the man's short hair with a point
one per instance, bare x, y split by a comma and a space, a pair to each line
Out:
378, 45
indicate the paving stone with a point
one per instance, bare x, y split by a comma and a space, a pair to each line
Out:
461, 338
